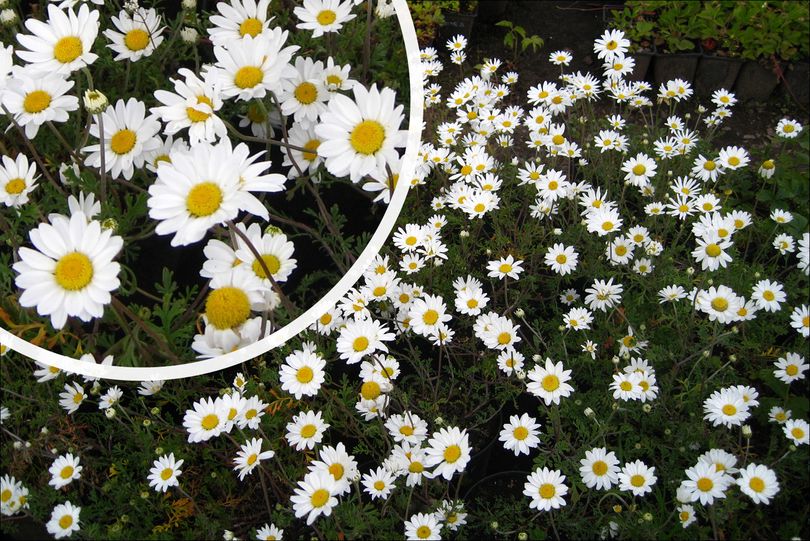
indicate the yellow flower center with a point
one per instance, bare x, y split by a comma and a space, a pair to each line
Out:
5, 495
304, 374
66, 522
334, 80
547, 491
611, 45
271, 262
252, 459
520, 433
637, 480
227, 307
626, 386
480, 207
379, 485
307, 431
684, 516
713, 250
452, 454
312, 147
553, 185
423, 532
768, 295
599, 467
505, 268
734, 160
709, 165
472, 303
466, 170
36, 101
68, 49
406, 430
198, 116
729, 410
621, 250
77, 398
704, 484
550, 383
360, 343
556, 100
73, 271
504, 338
123, 141
326, 319
756, 484
719, 304
558, 139
136, 39
367, 137
797, 433
791, 370
248, 77
166, 474
337, 471
639, 170
326, 17
607, 226
15, 186
66, 472
430, 317
203, 199
209, 422
251, 27
370, 390
319, 497
306, 93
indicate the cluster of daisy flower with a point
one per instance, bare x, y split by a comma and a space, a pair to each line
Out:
198, 177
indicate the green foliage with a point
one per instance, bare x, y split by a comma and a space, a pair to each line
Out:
748, 29
516, 37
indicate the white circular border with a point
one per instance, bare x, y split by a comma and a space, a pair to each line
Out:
303, 321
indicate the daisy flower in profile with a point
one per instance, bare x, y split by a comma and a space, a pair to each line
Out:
797, 431
423, 526
360, 136
705, 483
251, 67
800, 320
164, 472
63, 470
505, 266
314, 496
449, 451
305, 430
790, 368
726, 407
758, 482
788, 128
207, 420
36, 98
250, 456
722, 460
549, 382
269, 533
560, 58
779, 415
637, 477
519, 435
139, 34
64, 518
237, 19
128, 135
71, 272
62, 45
18, 178
379, 483
322, 16
149, 388
192, 105
599, 469
546, 489
302, 373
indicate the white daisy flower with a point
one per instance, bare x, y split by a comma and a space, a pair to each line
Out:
64, 518
305, 430
238, 19
64, 470
164, 472
62, 45
251, 67
519, 435
599, 469
314, 496
18, 178
549, 382
322, 16
71, 272
138, 36
35, 98
637, 477
546, 489
758, 482
250, 456
192, 105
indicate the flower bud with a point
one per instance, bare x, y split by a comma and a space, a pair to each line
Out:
746, 431
95, 102
464, 234
110, 413
8, 17
110, 224
17, 445
494, 524
589, 412
523, 536
537, 358
189, 35
647, 408
519, 312
147, 423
